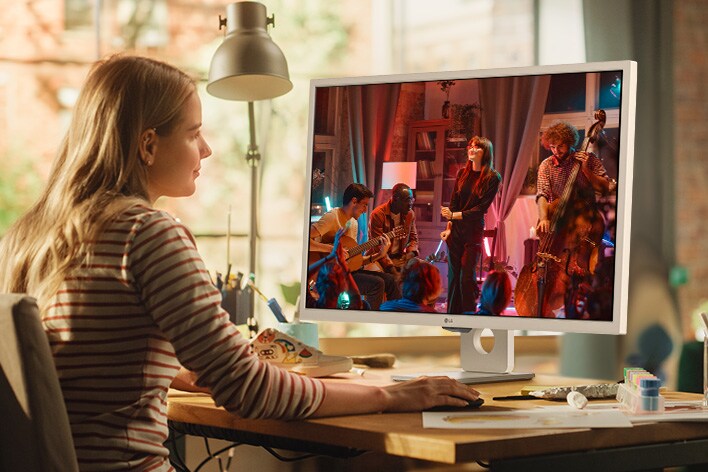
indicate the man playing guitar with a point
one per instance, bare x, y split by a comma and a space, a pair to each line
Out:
355, 201
398, 211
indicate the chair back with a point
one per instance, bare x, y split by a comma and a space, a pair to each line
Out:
34, 425
483, 270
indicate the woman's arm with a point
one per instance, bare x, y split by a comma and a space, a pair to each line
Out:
186, 380
414, 395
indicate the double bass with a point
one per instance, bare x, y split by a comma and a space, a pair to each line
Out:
561, 272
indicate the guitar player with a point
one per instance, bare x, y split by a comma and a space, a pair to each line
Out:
355, 202
398, 211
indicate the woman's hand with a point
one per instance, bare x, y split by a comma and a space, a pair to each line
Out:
446, 213
426, 392
445, 234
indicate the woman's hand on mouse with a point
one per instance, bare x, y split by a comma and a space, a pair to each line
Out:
427, 392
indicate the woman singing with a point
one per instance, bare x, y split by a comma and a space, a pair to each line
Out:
476, 185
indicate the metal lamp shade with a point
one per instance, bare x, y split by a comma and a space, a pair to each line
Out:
248, 65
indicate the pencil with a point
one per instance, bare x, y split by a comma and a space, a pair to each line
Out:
515, 397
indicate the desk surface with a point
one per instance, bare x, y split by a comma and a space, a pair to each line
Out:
402, 434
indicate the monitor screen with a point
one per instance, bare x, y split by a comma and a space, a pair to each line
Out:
493, 198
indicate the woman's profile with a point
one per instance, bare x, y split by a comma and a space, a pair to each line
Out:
125, 298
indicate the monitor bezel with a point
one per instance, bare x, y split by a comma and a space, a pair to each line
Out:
617, 326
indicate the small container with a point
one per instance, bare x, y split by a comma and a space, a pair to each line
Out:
304, 332
632, 401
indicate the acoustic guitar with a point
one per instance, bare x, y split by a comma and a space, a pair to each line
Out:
355, 252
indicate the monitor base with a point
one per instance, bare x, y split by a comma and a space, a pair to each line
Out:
478, 365
468, 378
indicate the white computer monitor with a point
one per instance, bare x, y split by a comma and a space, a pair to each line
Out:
359, 126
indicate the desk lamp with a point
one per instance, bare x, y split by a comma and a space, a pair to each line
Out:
249, 66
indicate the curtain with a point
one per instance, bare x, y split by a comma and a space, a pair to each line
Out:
512, 109
371, 114
639, 30
642, 31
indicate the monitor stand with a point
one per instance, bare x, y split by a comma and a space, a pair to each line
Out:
478, 365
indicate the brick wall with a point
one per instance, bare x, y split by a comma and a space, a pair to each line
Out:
691, 156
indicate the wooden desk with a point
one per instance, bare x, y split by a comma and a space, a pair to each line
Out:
642, 447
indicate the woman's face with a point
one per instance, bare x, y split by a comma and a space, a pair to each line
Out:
475, 152
177, 156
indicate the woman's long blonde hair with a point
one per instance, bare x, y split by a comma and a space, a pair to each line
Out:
97, 174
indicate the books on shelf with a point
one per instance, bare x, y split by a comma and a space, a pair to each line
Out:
423, 142
426, 170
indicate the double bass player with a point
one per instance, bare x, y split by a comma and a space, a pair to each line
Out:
570, 225
561, 138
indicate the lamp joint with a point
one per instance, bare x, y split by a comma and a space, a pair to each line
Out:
270, 20
222, 22
253, 156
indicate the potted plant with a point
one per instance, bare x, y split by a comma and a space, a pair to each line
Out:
445, 86
463, 119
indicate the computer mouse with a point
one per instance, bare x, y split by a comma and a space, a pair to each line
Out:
471, 404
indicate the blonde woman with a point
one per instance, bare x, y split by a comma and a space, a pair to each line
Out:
124, 295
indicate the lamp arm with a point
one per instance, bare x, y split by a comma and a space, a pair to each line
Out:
253, 157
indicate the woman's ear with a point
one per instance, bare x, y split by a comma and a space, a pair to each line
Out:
147, 146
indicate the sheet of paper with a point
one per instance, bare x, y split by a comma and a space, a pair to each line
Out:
561, 417
676, 411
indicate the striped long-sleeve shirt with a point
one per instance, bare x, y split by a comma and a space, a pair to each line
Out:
121, 325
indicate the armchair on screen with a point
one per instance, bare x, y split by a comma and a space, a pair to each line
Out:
35, 434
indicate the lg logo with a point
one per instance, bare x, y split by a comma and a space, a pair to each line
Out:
447, 320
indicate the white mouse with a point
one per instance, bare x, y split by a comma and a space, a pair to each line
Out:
577, 400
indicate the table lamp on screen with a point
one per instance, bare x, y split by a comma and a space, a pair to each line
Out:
398, 173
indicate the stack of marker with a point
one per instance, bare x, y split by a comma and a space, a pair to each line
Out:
640, 392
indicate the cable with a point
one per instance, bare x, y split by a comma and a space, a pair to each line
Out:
302, 457
178, 462
212, 456
288, 459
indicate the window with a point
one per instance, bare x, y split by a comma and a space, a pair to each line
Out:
319, 38
78, 15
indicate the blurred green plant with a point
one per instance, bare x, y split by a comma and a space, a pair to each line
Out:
20, 185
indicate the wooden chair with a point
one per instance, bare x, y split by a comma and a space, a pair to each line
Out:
35, 433
486, 268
